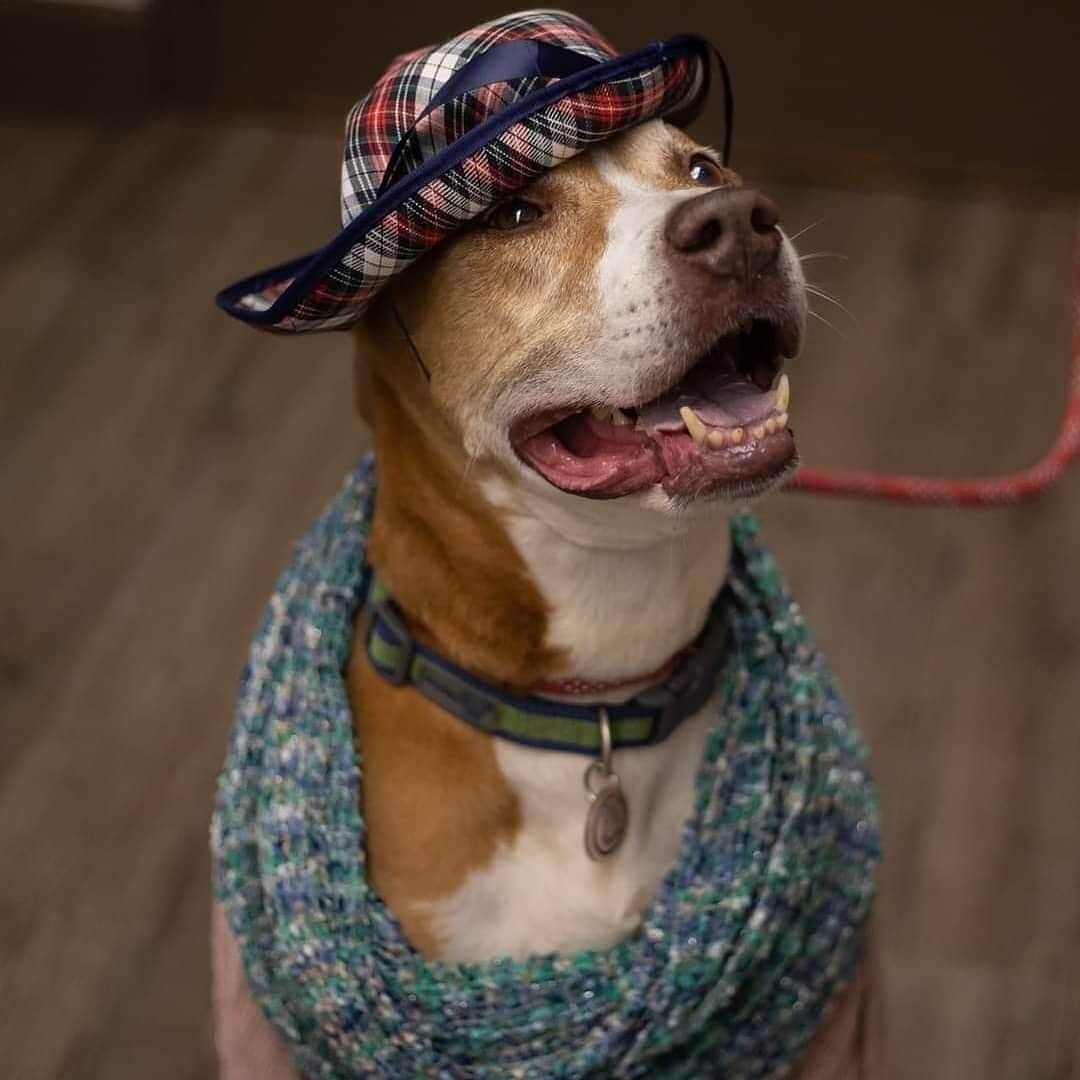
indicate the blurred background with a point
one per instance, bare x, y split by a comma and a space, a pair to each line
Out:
157, 460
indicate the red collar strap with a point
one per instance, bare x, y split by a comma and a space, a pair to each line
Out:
575, 685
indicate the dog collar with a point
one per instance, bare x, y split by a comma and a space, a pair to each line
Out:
650, 717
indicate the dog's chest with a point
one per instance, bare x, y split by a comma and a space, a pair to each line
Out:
541, 892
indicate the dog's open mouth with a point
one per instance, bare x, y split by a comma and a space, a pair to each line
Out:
721, 429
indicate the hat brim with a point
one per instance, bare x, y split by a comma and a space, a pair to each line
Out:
330, 288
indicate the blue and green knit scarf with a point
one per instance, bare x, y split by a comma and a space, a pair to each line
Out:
755, 928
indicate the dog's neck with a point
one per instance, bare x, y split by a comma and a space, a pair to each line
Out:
518, 584
625, 590
522, 584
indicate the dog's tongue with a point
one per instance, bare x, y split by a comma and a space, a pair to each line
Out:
727, 400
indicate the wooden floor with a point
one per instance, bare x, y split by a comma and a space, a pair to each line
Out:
157, 460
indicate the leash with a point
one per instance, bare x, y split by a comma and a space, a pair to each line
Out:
945, 491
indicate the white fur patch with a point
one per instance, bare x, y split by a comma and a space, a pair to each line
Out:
627, 587
543, 893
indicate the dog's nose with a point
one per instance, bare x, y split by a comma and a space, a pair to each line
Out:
731, 232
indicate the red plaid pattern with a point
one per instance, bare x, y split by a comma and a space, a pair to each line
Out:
389, 125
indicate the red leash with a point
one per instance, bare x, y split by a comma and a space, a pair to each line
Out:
993, 491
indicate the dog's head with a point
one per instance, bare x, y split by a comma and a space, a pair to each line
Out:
616, 330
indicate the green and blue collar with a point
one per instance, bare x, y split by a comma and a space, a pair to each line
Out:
650, 717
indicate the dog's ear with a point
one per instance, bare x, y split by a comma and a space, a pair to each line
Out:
384, 354
363, 382
374, 337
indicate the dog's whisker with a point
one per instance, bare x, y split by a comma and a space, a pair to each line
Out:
804, 231
470, 460
816, 290
823, 255
822, 319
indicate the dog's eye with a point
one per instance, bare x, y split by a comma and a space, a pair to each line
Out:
705, 171
513, 214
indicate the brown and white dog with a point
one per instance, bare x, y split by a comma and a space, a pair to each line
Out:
603, 360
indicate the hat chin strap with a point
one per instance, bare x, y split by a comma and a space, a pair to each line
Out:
408, 338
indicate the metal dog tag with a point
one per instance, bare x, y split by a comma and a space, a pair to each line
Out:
609, 814
605, 824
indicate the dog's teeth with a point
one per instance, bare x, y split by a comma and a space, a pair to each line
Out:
758, 432
717, 439
620, 419
783, 394
770, 424
735, 436
693, 424
781, 421
600, 412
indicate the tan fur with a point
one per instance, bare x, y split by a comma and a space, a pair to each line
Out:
447, 560
491, 306
434, 800
848, 1045
659, 156
423, 837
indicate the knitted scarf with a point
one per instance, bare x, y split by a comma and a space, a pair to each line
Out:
754, 930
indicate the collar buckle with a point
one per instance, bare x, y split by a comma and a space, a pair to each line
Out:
690, 685
675, 701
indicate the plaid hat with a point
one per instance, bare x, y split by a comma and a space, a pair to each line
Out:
450, 130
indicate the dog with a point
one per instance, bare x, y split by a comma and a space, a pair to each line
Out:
567, 400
